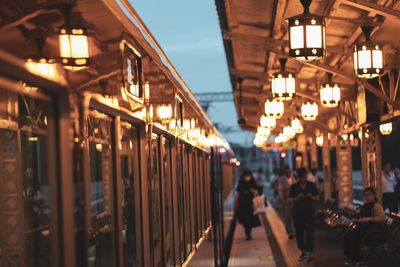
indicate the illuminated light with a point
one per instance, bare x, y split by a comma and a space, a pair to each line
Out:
164, 112
283, 83
43, 67
289, 132
237, 163
307, 35
33, 138
368, 57
222, 150
99, 147
130, 144
319, 140
386, 128
233, 160
263, 131
309, 111
267, 122
194, 133
74, 47
147, 92
274, 108
345, 137
283, 155
296, 125
172, 125
330, 94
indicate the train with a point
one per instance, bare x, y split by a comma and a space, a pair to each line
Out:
106, 157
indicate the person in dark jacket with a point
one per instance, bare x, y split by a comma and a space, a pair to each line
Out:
246, 190
372, 214
303, 194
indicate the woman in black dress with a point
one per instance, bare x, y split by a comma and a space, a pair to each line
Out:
246, 190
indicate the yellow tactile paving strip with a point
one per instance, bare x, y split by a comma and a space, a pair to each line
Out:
253, 253
288, 247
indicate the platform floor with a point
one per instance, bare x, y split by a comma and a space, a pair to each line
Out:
251, 253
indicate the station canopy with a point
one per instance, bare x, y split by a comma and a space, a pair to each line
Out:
255, 34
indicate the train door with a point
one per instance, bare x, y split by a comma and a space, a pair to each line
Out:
28, 179
167, 197
155, 203
129, 181
101, 251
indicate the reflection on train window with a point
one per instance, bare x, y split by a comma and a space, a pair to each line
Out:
129, 175
155, 204
168, 233
25, 209
101, 246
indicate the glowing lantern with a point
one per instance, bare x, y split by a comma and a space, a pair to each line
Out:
309, 111
43, 67
289, 132
296, 125
164, 112
283, 83
307, 35
386, 128
274, 108
263, 131
267, 122
368, 57
74, 47
330, 94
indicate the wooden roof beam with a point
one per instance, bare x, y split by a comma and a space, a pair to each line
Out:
373, 7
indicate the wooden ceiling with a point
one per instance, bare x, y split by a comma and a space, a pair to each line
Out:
255, 37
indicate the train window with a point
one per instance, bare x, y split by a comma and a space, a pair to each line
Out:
155, 204
168, 212
101, 249
181, 218
129, 159
133, 71
27, 143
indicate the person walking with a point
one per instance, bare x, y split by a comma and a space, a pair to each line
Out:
372, 214
283, 184
260, 181
303, 194
246, 190
388, 184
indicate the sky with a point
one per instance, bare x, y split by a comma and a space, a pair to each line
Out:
189, 33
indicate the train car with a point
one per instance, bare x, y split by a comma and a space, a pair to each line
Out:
106, 157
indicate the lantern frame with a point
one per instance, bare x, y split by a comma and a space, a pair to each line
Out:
69, 40
283, 83
311, 48
309, 111
368, 57
274, 108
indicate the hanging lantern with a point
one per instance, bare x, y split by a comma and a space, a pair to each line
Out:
368, 57
274, 108
289, 132
267, 122
263, 131
309, 111
74, 47
307, 35
43, 67
386, 128
296, 125
164, 112
283, 83
330, 93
